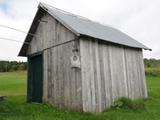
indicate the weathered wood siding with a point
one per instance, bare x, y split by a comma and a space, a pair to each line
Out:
62, 83
109, 72
50, 32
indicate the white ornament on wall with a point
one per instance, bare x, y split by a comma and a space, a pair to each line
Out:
75, 61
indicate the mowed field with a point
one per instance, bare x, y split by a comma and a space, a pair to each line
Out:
13, 86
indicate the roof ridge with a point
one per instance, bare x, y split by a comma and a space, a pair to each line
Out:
66, 12
77, 16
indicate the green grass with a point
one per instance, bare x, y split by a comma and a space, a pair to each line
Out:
13, 85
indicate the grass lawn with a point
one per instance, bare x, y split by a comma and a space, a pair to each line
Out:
13, 85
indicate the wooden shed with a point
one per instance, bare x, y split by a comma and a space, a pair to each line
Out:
75, 63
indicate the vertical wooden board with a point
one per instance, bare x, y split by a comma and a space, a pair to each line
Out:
88, 74
60, 75
46, 32
66, 78
70, 76
122, 70
113, 91
85, 77
66, 93
139, 70
53, 31
95, 78
78, 90
139, 75
52, 64
98, 77
73, 88
55, 75
33, 46
136, 79
49, 74
135, 82
107, 75
83, 67
50, 30
125, 89
143, 86
61, 65
39, 37
63, 78
102, 74
128, 60
57, 32
125, 72
132, 74
92, 77
63, 33
58, 78
45, 79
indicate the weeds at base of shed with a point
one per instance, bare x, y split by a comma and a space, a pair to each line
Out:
67, 110
129, 104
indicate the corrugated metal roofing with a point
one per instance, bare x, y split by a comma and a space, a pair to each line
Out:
80, 25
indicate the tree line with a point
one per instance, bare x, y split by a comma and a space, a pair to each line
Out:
152, 67
9, 66
151, 63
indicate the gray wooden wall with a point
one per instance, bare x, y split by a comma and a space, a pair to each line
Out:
107, 71
48, 34
62, 83
110, 72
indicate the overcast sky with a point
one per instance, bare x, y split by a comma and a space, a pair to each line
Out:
139, 19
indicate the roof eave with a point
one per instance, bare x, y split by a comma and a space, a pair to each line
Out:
145, 47
31, 30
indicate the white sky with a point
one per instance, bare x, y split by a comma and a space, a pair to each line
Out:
139, 19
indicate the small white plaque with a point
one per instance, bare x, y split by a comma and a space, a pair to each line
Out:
75, 61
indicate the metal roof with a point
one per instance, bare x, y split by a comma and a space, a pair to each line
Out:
80, 25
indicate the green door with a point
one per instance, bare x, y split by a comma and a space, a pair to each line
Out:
35, 79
